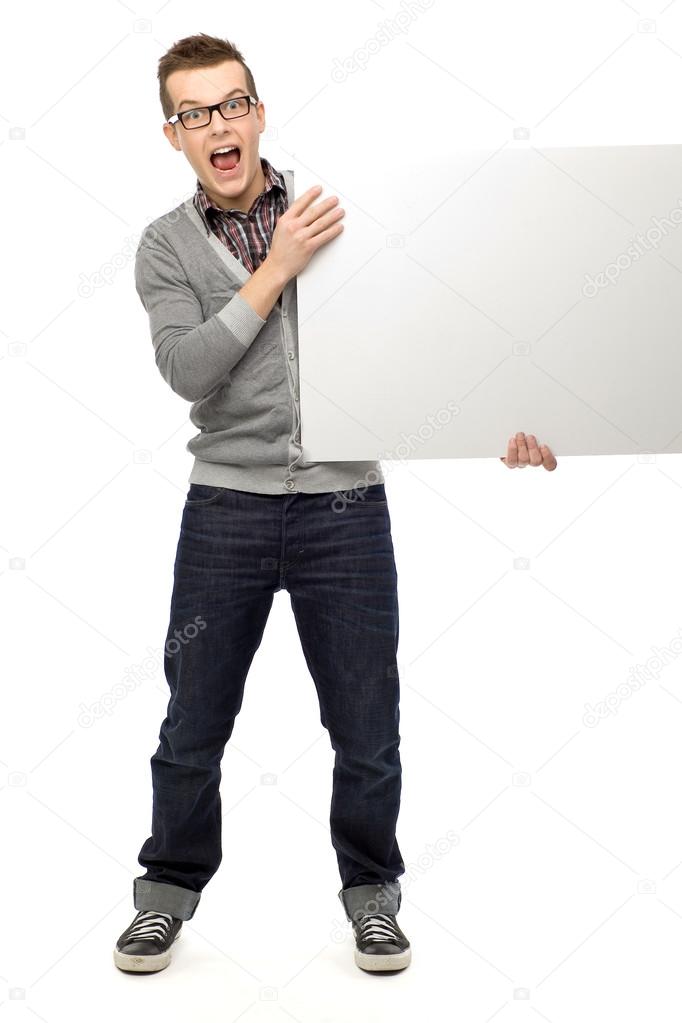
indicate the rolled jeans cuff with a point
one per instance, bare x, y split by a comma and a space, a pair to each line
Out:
165, 898
371, 898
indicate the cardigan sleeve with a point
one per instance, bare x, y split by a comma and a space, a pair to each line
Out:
193, 355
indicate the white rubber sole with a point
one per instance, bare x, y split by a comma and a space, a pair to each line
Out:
144, 964
375, 963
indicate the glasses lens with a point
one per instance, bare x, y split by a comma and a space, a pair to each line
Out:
235, 107
194, 118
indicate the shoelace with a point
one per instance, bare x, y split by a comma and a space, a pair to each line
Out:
149, 924
378, 927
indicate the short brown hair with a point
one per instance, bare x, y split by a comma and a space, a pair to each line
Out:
198, 51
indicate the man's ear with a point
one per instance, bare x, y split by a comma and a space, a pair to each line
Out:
170, 132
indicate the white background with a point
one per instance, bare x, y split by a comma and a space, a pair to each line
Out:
524, 595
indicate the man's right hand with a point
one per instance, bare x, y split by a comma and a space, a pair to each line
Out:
301, 230
299, 233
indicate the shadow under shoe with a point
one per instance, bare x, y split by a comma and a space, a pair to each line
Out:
145, 945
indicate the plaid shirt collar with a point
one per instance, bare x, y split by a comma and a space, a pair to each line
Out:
207, 208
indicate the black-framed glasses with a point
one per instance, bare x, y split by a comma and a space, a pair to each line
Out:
199, 117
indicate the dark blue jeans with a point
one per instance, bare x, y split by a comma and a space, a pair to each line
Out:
333, 552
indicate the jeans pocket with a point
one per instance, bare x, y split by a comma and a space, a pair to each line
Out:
376, 494
201, 494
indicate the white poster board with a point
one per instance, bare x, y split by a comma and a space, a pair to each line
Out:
474, 293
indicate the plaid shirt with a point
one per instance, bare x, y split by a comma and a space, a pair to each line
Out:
247, 235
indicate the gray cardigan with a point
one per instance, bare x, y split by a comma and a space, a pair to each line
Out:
239, 371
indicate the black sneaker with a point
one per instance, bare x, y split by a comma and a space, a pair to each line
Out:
379, 943
145, 946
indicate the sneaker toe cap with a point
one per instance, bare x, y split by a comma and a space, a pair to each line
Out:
386, 948
139, 948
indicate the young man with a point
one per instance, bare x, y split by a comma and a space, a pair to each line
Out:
217, 277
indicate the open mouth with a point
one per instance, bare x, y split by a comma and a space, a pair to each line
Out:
226, 159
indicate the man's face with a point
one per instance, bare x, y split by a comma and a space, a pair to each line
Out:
198, 87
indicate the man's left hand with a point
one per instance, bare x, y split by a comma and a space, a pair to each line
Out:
523, 450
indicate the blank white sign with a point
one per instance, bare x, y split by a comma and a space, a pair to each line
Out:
511, 289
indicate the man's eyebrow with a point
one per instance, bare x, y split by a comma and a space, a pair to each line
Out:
195, 102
